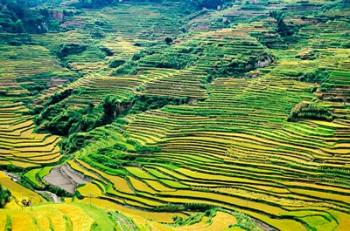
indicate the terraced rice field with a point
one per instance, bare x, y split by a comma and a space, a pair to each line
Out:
255, 161
20, 145
222, 154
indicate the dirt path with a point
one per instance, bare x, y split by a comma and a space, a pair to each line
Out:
54, 197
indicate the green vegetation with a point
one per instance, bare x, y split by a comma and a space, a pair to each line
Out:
70, 121
318, 76
5, 196
177, 114
70, 49
306, 110
17, 16
209, 3
94, 3
147, 102
125, 68
282, 27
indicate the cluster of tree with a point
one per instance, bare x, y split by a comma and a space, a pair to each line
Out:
111, 108
195, 218
70, 49
176, 207
240, 65
111, 158
306, 110
74, 124
62, 120
5, 196
144, 102
75, 142
19, 16
209, 3
317, 76
94, 3
178, 61
282, 28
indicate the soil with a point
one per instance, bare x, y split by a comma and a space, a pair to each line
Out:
66, 178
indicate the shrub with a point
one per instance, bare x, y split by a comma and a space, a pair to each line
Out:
128, 68
17, 40
120, 147
113, 108
74, 142
116, 63
145, 102
282, 28
38, 82
70, 122
70, 49
109, 105
58, 191
305, 110
176, 61
18, 16
146, 149
107, 51
59, 96
141, 54
191, 220
11, 168
5, 196
307, 55
183, 207
198, 207
60, 120
317, 76
168, 40
170, 208
209, 3
93, 3
240, 65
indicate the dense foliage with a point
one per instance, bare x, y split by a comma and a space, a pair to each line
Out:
209, 3
94, 3
16, 16
166, 106
282, 28
305, 110
4, 196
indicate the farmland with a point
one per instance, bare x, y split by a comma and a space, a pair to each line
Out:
144, 115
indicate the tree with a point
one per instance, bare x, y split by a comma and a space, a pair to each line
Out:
94, 3
209, 3
109, 107
168, 40
5, 196
282, 27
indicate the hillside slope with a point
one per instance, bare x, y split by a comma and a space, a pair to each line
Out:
154, 117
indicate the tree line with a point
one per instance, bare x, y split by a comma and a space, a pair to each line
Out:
17, 16
211, 4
